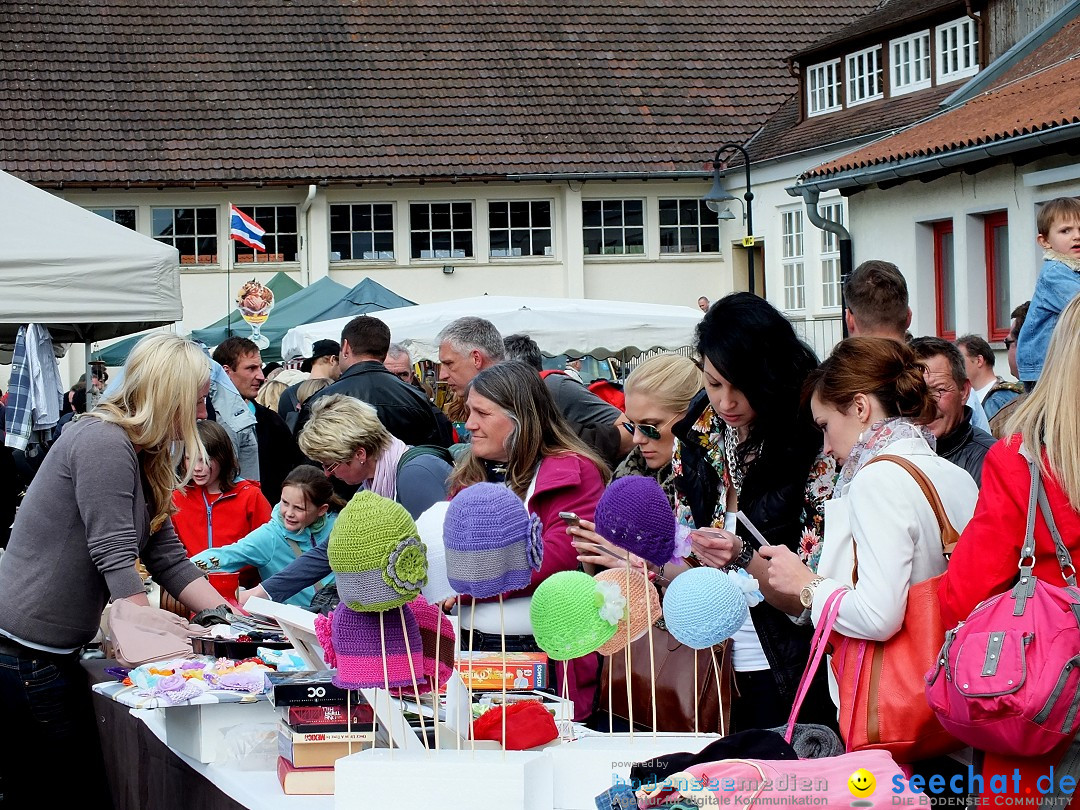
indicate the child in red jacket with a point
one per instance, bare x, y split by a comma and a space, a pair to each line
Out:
215, 509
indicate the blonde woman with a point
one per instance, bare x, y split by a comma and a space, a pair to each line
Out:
270, 394
101, 499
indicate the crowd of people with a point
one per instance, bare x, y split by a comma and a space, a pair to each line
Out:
195, 463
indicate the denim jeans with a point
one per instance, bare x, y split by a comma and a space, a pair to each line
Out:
46, 705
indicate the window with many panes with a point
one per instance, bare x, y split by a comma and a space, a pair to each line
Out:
613, 227
279, 222
996, 235
944, 279
791, 257
688, 226
823, 87
520, 228
830, 255
192, 231
441, 230
864, 75
362, 232
121, 216
910, 63
957, 50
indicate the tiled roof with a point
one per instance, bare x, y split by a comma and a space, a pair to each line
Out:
1019, 105
889, 15
207, 92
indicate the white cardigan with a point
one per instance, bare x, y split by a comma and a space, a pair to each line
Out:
897, 536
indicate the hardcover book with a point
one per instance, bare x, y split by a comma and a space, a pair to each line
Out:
307, 688
305, 781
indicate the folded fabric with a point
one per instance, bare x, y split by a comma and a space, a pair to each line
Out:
528, 724
142, 634
754, 743
814, 741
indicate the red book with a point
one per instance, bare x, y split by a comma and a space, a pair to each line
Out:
305, 781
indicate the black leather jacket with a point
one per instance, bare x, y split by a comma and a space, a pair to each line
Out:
966, 446
774, 503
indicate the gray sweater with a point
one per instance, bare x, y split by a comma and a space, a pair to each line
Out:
80, 527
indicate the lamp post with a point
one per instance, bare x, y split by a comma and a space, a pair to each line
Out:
718, 196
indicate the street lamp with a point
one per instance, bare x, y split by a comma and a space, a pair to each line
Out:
718, 198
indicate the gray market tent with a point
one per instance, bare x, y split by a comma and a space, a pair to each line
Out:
281, 283
323, 300
77, 273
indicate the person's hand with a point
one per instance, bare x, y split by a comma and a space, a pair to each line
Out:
787, 573
248, 593
211, 616
596, 550
715, 547
448, 605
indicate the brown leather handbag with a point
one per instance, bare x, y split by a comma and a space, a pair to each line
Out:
674, 685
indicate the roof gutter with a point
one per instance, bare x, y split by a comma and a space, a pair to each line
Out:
612, 176
913, 167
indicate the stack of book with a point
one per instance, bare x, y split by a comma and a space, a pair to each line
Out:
318, 724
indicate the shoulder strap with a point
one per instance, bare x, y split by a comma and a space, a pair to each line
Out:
425, 450
949, 535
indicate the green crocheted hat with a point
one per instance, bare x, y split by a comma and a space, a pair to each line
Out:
573, 615
375, 552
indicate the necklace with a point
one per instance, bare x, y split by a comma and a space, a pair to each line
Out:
735, 469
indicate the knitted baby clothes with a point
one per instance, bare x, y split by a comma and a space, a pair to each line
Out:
642, 601
703, 607
358, 647
634, 514
492, 542
573, 615
376, 554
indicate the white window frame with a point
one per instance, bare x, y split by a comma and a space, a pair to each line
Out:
372, 231
832, 210
620, 228
863, 76
110, 212
823, 81
680, 228
910, 54
454, 253
952, 52
793, 255
532, 229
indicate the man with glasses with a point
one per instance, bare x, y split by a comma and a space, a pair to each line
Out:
958, 440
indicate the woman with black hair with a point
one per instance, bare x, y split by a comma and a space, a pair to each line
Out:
747, 445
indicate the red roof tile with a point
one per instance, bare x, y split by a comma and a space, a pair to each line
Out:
201, 91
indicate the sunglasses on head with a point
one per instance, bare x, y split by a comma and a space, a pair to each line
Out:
648, 431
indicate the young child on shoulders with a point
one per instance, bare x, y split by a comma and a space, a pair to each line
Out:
216, 508
1059, 281
300, 522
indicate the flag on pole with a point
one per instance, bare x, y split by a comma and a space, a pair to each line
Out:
245, 230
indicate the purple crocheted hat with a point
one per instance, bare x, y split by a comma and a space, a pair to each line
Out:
635, 514
492, 542
358, 646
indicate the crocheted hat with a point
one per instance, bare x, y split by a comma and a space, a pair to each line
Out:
703, 607
642, 601
573, 615
492, 542
430, 527
377, 558
433, 622
634, 514
357, 642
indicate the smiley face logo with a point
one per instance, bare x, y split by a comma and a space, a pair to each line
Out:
862, 783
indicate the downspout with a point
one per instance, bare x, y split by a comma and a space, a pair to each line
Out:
810, 199
305, 265
980, 31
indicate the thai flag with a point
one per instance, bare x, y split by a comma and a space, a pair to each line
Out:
245, 230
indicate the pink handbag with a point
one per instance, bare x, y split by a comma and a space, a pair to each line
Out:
1007, 679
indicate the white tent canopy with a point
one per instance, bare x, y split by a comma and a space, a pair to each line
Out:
77, 273
574, 326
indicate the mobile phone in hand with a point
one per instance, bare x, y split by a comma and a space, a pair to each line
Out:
571, 518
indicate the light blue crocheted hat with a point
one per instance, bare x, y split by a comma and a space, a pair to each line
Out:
703, 607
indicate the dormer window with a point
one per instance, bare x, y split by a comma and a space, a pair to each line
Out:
958, 50
910, 62
864, 76
823, 87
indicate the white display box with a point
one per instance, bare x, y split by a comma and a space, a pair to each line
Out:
447, 779
586, 767
197, 730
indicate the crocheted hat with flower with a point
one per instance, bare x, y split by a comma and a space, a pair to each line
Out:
378, 560
642, 601
492, 542
634, 514
356, 648
705, 606
573, 615
433, 622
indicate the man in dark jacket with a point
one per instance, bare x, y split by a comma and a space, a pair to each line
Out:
957, 439
402, 409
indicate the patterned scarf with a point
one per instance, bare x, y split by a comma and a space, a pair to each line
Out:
873, 441
384, 482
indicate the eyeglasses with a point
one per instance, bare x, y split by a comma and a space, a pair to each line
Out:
648, 431
1009, 343
329, 468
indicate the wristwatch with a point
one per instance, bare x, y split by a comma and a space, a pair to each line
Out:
806, 595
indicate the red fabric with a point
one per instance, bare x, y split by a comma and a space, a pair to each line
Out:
609, 392
985, 563
528, 724
236, 514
